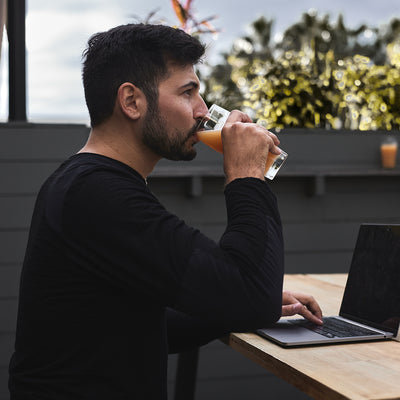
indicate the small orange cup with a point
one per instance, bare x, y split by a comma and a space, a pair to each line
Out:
389, 152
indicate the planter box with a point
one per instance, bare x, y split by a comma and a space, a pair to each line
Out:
310, 151
337, 150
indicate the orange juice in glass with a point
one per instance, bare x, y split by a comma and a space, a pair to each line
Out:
211, 136
389, 152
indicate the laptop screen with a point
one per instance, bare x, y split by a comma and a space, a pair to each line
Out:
372, 294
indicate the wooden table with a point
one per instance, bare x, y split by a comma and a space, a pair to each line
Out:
346, 371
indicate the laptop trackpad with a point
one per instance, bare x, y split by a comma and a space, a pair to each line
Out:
285, 331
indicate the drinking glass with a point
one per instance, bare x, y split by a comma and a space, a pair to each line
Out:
210, 135
389, 152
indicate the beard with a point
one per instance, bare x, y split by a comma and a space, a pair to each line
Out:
155, 137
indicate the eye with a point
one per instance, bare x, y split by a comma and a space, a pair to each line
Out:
188, 92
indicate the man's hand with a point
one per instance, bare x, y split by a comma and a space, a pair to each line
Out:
246, 146
303, 304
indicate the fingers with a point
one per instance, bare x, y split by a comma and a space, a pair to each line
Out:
238, 116
306, 313
273, 144
246, 146
249, 128
302, 304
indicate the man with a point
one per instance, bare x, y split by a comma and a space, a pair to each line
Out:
111, 280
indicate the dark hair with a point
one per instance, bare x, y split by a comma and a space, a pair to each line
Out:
136, 53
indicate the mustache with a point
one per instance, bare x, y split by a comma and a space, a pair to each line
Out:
194, 129
200, 123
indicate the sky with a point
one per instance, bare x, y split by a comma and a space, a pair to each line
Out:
57, 33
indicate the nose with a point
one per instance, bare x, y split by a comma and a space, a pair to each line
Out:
201, 109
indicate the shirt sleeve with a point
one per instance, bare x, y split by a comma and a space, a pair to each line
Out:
185, 332
126, 237
240, 280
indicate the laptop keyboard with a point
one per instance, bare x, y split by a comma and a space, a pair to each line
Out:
334, 327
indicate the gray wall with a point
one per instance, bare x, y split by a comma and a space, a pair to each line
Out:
322, 204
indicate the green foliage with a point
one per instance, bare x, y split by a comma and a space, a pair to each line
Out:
319, 75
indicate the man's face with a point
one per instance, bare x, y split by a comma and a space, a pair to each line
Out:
170, 130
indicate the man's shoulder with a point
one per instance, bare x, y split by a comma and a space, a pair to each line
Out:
89, 165
86, 173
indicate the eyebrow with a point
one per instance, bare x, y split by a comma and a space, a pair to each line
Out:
191, 84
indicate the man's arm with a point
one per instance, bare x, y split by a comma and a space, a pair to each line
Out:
185, 332
239, 282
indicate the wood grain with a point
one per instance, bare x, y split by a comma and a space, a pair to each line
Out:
330, 372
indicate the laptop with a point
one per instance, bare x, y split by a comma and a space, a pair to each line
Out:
370, 308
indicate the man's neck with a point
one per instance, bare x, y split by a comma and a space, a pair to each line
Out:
121, 145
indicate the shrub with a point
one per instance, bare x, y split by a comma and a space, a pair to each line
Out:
319, 75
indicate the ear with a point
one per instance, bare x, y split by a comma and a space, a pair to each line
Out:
131, 100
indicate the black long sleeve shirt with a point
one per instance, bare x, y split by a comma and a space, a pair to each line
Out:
111, 280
